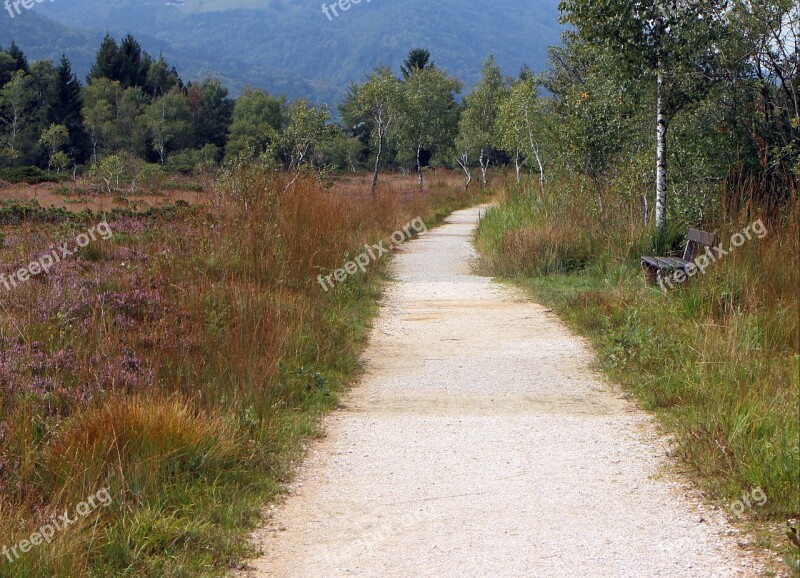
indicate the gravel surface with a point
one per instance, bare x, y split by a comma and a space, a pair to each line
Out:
480, 443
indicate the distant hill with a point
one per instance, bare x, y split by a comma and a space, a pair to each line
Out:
289, 46
41, 38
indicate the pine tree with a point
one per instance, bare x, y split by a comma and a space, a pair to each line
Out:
134, 63
65, 109
19, 58
417, 59
11, 61
130, 65
107, 61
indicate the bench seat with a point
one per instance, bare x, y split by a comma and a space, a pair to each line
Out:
664, 263
654, 266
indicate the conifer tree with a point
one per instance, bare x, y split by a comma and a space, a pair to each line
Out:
65, 109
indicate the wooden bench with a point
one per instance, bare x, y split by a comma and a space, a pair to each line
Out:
655, 267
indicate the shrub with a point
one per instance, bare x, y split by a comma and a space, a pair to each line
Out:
28, 175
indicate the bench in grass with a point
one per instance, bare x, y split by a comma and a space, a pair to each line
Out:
655, 268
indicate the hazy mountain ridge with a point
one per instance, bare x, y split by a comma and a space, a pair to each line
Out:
294, 48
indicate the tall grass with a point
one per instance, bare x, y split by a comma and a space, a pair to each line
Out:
180, 364
717, 358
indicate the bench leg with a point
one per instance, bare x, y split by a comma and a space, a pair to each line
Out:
650, 275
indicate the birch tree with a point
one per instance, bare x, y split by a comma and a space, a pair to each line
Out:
53, 139
377, 99
477, 126
99, 100
308, 127
594, 109
428, 117
168, 120
670, 41
16, 98
464, 158
521, 125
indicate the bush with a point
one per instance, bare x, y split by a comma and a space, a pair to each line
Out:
28, 175
152, 178
186, 162
116, 173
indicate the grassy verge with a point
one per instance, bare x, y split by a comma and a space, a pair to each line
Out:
717, 359
175, 368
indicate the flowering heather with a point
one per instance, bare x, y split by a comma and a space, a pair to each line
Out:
74, 307
127, 226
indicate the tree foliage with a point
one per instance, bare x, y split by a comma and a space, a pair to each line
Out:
258, 120
428, 114
377, 102
674, 42
307, 129
477, 138
522, 125
417, 59
723, 85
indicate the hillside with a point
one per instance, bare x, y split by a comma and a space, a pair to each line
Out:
294, 48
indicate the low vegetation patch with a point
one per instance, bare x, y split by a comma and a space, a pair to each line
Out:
28, 175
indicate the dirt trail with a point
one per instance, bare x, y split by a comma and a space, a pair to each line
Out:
480, 444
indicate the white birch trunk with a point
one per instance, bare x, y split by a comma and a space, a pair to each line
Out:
420, 179
383, 128
464, 162
484, 162
661, 157
535, 150
377, 160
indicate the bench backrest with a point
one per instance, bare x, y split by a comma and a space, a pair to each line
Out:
696, 239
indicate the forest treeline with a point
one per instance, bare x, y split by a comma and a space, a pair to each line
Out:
643, 99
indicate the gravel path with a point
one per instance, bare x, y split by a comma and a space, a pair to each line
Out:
479, 443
